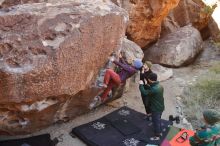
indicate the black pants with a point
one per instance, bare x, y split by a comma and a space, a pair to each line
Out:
146, 103
156, 119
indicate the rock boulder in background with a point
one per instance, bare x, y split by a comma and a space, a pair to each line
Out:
131, 50
50, 55
163, 73
176, 49
9, 3
146, 17
187, 12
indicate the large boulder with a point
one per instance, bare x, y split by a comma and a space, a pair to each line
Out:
168, 26
131, 50
9, 3
146, 17
192, 11
187, 12
163, 73
176, 49
50, 56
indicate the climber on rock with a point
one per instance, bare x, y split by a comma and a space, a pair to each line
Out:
113, 79
209, 135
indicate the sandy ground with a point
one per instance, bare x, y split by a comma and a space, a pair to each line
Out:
173, 88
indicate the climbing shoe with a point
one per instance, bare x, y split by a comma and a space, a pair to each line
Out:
96, 101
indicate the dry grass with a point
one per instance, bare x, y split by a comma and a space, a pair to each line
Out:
205, 93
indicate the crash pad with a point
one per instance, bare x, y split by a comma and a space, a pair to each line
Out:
122, 127
172, 132
182, 138
40, 140
165, 143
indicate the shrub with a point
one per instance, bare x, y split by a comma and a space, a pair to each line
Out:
209, 9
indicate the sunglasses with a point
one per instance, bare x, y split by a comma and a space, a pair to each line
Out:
183, 137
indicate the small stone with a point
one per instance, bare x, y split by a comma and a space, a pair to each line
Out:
162, 72
178, 98
185, 121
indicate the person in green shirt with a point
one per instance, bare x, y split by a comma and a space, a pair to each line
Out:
209, 135
156, 99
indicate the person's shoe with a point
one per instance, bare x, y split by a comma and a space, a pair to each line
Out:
110, 94
96, 101
148, 117
155, 138
102, 85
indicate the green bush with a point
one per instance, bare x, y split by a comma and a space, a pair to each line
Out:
209, 9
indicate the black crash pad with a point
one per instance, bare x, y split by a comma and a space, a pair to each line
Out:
123, 127
40, 140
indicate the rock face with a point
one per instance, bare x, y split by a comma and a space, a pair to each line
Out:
191, 11
187, 12
9, 3
163, 73
168, 26
50, 55
176, 49
145, 18
131, 50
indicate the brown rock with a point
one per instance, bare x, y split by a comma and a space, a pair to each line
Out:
193, 12
168, 26
145, 18
50, 55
